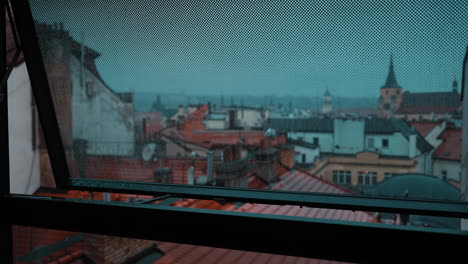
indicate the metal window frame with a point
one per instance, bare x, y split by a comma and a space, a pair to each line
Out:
246, 231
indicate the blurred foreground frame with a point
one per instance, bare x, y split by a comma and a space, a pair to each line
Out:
297, 236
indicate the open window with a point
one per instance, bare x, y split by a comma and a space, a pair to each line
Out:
189, 111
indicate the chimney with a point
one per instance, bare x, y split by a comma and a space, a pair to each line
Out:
82, 60
113, 250
412, 145
210, 165
232, 173
266, 161
163, 175
143, 127
191, 175
286, 156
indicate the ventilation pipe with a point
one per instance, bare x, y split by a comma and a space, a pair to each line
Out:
210, 165
191, 175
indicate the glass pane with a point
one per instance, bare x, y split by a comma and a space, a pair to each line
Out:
258, 95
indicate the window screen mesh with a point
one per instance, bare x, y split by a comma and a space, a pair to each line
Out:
263, 94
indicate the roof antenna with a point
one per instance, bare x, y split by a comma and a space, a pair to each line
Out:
82, 58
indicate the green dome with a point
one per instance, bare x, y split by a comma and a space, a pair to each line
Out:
420, 186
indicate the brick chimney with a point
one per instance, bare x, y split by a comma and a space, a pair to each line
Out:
113, 250
233, 171
266, 160
286, 156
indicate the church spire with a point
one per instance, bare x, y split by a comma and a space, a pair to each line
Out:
391, 78
454, 84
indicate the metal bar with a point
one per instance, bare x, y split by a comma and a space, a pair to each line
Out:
41, 90
155, 199
320, 200
275, 234
6, 232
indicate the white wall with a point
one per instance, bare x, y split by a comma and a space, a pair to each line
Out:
432, 139
452, 167
216, 124
249, 118
397, 144
311, 154
348, 136
325, 139
103, 119
24, 161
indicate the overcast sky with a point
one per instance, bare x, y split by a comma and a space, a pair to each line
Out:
268, 47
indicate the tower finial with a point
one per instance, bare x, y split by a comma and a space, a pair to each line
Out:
454, 84
391, 81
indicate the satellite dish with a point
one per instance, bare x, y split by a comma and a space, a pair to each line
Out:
148, 151
270, 132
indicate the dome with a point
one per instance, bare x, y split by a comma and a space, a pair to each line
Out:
420, 186
415, 185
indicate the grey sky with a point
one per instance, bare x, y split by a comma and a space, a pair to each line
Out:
268, 47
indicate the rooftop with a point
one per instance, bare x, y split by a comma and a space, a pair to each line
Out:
425, 127
451, 147
290, 180
429, 102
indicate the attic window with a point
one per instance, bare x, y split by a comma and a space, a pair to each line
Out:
89, 87
385, 143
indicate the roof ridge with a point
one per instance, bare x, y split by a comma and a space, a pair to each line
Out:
324, 181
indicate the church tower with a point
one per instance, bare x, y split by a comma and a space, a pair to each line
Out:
327, 107
390, 94
455, 85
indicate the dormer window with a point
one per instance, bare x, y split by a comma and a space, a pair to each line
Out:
89, 89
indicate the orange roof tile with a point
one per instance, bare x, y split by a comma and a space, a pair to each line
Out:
193, 130
424, 127
291, 180
451, 147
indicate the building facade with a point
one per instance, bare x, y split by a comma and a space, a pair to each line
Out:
87, 109
360, 151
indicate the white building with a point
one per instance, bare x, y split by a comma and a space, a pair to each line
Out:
87, 109
386, 137
22, 129
304, 153
216, 121
100, 116
247, 117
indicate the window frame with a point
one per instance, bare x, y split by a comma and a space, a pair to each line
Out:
385, 143
52, 209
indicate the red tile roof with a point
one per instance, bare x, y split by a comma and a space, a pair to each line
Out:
154, 122
425, 127
429, 102
193, 130
451, 147
427, 109
27, 239
131, 169
291, 180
